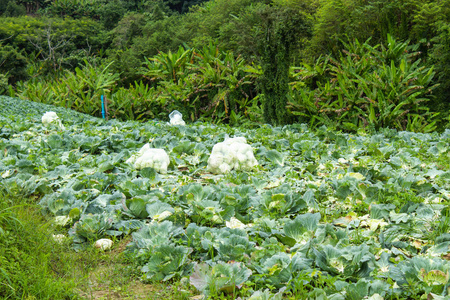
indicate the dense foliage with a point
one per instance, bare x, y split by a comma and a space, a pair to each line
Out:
325, 45
376, 86
325, 214
349, 199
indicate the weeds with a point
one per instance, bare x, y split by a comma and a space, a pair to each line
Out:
35, 266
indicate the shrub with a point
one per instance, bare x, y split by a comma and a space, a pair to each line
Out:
51, 38
13, 64
207, 83
440, 56
79, 90
381, 86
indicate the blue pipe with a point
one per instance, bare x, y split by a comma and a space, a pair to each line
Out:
103, 108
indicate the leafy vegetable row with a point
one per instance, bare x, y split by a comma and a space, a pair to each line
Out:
323, 213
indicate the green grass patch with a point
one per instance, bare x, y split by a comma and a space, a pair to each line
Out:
35, 266
32, 264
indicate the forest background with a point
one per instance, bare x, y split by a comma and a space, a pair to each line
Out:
345, 64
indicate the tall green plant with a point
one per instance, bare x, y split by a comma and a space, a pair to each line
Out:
80, 90
12, 64
440, 56
168, 66
207, 83
380, 86
75, 8
223, 84
282, 30
137, 102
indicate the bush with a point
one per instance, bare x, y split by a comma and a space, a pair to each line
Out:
111, 13
209, 83
376, 87
75, 8
203, 84
79, 90
13, 64
3, 84
52, 38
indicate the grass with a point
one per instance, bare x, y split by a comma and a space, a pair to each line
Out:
34, 266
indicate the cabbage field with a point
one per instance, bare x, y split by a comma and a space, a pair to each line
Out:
323, 215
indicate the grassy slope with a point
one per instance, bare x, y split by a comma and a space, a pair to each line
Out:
34, 266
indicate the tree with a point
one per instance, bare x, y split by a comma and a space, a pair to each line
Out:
13, 64
50, 46
10, 8
32, 6
182, 6
440, 56
283, 29
111, 13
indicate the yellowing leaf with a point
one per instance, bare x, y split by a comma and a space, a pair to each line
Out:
358, 176
434, 277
